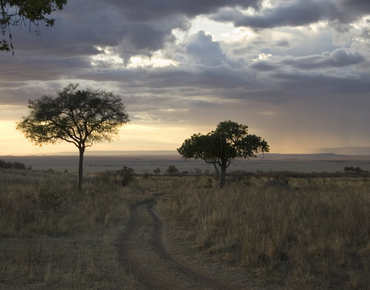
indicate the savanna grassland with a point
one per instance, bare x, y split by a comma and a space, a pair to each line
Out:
300, 233
293, 233
53, 236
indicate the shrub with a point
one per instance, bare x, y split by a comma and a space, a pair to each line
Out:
172, 170
127, 175
8, 165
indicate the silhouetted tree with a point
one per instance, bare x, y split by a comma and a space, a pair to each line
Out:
230, 140
18, 12
172, 170
127, 175
15, 165
80, 117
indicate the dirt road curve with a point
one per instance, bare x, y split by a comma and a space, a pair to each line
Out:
142, 253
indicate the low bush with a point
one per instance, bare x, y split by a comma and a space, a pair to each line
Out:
14, 165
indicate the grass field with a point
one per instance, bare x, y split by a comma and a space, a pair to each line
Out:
303, 233
298, 233
55, 237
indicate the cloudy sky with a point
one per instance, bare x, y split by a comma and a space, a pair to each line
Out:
295, 71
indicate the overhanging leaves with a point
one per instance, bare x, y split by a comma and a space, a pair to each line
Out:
19, 12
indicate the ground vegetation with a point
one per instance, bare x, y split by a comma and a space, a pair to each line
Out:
15, 165
299, 233
265, 230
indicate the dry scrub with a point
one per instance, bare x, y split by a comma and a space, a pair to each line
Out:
310, 234
53, 236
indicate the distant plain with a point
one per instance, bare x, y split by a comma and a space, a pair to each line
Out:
146, 162
305, 232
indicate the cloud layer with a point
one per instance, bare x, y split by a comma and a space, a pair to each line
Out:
286, 66
297, 13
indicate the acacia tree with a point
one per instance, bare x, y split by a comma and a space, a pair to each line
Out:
18, 12
80, 117
230, 140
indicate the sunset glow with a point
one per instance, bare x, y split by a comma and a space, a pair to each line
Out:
296, 72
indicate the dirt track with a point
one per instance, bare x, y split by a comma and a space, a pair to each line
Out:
142, 253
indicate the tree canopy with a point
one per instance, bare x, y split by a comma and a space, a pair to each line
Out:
230, 140
18, 12
80, 117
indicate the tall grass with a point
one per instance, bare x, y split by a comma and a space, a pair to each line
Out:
53, 236
312, 234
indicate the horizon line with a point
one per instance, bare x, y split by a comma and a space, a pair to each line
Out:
174, 152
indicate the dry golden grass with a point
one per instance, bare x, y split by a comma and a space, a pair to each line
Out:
312, 234
55, 237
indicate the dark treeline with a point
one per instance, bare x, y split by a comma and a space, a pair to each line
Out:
12, 165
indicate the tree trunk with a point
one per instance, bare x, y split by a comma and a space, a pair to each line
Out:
223, 175
217, 170
80, 167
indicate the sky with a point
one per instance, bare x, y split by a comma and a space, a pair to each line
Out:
296, 72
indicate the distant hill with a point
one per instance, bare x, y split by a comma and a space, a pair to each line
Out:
347, 150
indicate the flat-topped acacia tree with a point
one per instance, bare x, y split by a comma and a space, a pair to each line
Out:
80, 117
230, 140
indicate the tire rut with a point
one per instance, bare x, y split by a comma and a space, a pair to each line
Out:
145, 272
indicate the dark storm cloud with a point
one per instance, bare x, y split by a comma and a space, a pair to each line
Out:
142, 39
317, 84
204, 69
80, 28
144, 26
149, 89
263, 66
319, 75
200, 49
152, 22
338, 58
295, 13
34, 67
131, 27
191, 80
298, 13
355, 6
144, 10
